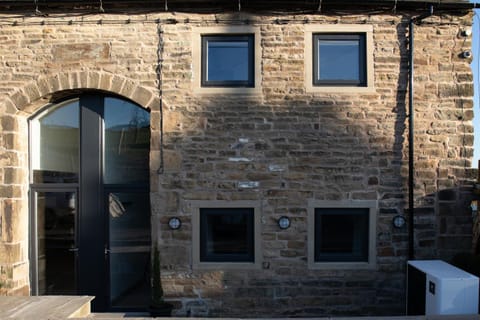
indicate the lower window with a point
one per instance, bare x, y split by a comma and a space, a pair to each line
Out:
226, 234
342, 234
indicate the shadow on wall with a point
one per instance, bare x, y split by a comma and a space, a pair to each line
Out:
295, 146
443, 224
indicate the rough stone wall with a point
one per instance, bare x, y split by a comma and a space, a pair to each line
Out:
329, 146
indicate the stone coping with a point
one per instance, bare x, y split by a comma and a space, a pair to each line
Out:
44, 307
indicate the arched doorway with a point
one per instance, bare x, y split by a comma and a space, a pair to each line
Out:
89, 201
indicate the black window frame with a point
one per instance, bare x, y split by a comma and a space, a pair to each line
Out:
205, 256
362, 63
250, 39
339, 257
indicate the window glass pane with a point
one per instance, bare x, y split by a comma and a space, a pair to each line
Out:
338, 60
129, 244
127, 142
341, 234
226, 234
227, 60
55, 144
56, 213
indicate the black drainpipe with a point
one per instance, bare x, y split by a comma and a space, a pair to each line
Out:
411, 183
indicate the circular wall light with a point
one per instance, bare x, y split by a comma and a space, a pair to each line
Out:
174, 223
399, 221
284, 222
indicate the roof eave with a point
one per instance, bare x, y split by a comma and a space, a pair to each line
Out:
244, 5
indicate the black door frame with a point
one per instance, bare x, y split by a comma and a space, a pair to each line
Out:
92, 252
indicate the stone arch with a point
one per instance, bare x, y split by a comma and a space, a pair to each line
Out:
39, 92
16, 107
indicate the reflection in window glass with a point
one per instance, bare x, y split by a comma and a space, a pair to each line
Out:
341, 235
56, 213
226, 234
339, 59
55, 144
227, 61
127, 142
129, 244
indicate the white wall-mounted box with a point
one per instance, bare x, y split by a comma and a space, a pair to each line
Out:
435, 287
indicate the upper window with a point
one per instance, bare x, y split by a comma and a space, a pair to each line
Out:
342, 234
226, 234
339, 60
228, 61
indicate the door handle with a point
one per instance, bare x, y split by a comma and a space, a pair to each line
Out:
107, 251
73, 249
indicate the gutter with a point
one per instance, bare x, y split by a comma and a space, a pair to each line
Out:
244, 5
411, 123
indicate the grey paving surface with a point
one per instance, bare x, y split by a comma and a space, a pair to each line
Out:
78, 307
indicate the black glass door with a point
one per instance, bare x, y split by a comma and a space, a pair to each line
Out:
90, 201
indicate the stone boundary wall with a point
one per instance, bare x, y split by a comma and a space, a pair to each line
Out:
330, 146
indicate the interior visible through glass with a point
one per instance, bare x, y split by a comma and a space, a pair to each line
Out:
129, 245
227, 234
56, 215
341, 234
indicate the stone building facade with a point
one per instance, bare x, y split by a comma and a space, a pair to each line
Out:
282, 147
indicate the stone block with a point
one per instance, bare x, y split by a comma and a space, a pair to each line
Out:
80, 52
15, 220
10, 254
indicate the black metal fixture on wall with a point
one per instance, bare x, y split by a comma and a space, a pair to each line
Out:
411, 132
284, 222
174, 223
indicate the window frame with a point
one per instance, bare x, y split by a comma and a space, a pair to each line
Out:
249, 39
233, 257
338, 30
197, 262
362, 61
314, 205
196, 42
320, 215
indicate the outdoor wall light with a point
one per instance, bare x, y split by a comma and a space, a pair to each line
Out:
466, 54
467, 32
174, 223
399, 221
284, 222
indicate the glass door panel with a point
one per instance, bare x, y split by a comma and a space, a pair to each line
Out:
129, 249
55, 144
56, 220
81, 150
127, 142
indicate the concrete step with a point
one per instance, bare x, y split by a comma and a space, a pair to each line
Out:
45, 307
119, 315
